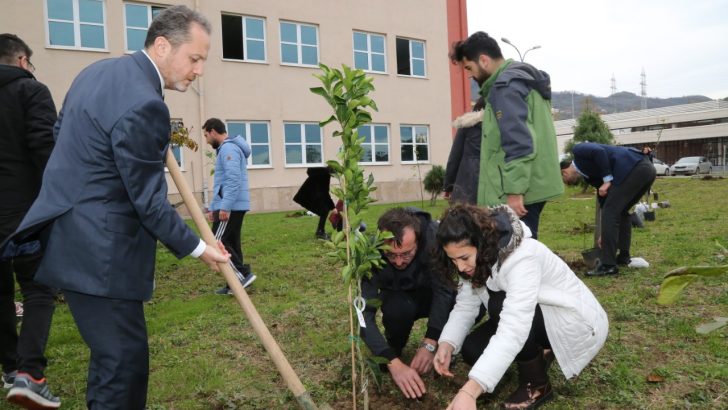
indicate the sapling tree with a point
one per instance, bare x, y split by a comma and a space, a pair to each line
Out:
347, 92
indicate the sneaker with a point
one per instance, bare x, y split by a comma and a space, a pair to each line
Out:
322, 235
19, 309
225, 290
9, 379
32, 394
249, 280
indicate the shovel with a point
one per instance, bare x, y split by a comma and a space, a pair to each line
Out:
275, 352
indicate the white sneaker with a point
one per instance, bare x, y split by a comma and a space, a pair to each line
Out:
638, 263
249, 280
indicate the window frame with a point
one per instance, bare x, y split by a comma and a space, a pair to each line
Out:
243, 22
414, 144
303, 144
411, 58
76, 22
369, 51
372, 144
248, 138
299, 45
150, 17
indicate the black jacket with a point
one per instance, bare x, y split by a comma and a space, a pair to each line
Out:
418, 274
463, 164
314, 193
27, 115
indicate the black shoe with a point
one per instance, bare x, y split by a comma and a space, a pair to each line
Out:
623, 260
323, 235
604, 270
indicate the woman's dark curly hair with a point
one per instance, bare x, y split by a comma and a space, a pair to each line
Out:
474, 225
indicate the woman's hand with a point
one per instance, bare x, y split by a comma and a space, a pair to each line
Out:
466, 397
442, 359
462, 401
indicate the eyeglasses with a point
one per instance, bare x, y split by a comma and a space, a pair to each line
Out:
31, 67
404, 256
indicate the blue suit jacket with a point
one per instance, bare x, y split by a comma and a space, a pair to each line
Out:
596, 161
103, 203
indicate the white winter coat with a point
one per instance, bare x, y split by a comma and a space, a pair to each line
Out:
576, 324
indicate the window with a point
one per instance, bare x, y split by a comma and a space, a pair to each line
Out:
257, 135
76, 23
410, 57
369, 52
376, 143
177, 151
176, 125
303, 143
299, 44
137, 18
414, 143
243, 38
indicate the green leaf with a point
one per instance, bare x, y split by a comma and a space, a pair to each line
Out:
676, 280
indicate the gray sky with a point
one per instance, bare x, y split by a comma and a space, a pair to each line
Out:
681, 44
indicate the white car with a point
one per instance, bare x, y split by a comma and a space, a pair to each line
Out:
691, 165
660, 167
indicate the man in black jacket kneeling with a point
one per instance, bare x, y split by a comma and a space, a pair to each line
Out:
408, 290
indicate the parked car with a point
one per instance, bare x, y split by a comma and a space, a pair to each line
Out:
691, 165
660, 167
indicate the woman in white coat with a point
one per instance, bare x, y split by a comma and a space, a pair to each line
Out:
537, 307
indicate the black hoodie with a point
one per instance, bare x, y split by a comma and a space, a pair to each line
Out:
27, 115
418, 274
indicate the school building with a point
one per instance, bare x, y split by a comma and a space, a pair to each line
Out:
261, 65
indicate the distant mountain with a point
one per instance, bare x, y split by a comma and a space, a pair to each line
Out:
618, 102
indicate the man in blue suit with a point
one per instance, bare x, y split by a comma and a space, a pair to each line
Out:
621, 175
103, 203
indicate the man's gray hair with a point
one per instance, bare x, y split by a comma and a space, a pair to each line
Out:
174, 23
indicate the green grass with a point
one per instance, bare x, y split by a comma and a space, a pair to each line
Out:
204, 354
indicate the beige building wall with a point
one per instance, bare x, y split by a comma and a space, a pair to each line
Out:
276, 93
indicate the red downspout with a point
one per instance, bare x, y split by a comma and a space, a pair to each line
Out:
457, 29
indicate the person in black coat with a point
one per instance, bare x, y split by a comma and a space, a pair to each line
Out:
621, 175
463, 165
314, 196
27, 115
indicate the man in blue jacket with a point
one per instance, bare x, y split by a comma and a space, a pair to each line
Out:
621, 175
103, 202
230, 198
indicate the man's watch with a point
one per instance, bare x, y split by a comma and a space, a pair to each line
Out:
429, 347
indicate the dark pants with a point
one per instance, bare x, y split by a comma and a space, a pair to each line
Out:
616, 223
116, 334
400, 310
24, 351
476, 342
320, 228
231, 237
532, 218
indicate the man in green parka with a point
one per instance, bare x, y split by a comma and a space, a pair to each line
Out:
519, 163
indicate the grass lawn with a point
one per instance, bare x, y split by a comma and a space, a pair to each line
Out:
204, 355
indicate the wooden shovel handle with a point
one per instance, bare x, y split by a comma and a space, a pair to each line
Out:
275, 352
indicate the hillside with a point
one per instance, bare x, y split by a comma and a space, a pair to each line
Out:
619, 102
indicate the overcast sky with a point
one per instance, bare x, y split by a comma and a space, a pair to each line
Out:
681, 44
